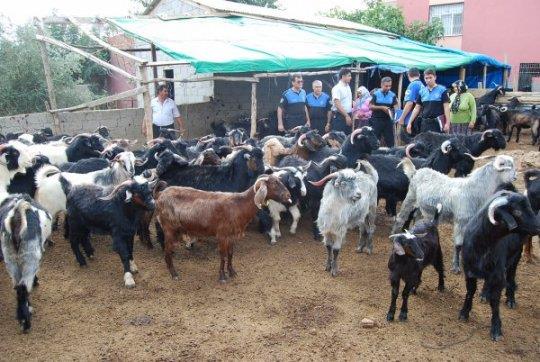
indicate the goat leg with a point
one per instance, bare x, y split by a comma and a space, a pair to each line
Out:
169, 249
405, 302
74, 243
528, 250
335, 269
471, 284
223, 253
329, 258
230, 269
494, 301
24, 314
121, 247
439, 267
395, 291
456, 269
511, 285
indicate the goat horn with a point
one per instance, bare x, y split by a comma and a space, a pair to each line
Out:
479, 158
243, 147
139, 162
484, 134
503, 109
408, 149
154, 141
498, 202
354, 133
301, 139
295, 129
446, 147
325, 136
324, 180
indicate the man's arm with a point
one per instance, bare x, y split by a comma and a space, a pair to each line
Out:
180, 123
308, 121
406, 110
280, 119
446, 107
415, 113
341, 110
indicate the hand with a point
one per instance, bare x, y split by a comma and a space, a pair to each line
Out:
327, 128
447, 127
308, 124
348, 120
401, 121
281, 128
409, 128
471, 125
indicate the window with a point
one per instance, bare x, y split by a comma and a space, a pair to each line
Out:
529, 76
451, 16
169, 73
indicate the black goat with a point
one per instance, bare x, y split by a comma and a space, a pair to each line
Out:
115, 212
85, 165
488, 253
26, 183
476, 143
411, 150
412, 252
491, 96
532, 186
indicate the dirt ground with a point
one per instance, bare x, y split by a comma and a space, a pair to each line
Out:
282, 306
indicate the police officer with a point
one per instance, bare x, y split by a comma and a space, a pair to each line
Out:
383, 103
413, 89
319, 107
292, 110
434, 104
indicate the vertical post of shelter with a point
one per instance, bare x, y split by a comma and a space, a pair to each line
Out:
462, 73
505, 78
356, 82
48, 78
253, 110
400, 89
154, 68
147, 121
484, 79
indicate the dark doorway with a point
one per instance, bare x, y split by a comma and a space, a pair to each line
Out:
169, 73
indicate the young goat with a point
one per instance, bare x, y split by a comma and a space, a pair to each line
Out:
24, 227
116, 212
222, 215
349, 200
486, 251
412, 252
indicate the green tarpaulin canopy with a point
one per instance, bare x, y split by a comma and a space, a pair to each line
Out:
240, 44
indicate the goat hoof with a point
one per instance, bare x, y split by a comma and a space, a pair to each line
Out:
402, 316
511, 304
455, 270
91, 257
232, 273
483, 299
176, 277
133, 267
334, 272
222, 281
463, 316
390, 317
129, 282
441, 288
292, 231
496, 336
359, 249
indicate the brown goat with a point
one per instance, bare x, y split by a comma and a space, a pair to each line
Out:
524, 119
184, 211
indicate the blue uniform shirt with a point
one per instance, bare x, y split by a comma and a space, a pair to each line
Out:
380, 98
293, 104
411, 94
318, 106
432, 101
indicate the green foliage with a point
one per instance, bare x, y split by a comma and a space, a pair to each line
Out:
264, 3
390, 18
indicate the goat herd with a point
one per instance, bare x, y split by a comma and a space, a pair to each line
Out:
216, 185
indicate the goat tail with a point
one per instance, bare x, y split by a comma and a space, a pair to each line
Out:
44, 172
15, 223
408, 167
160, 186
438, 210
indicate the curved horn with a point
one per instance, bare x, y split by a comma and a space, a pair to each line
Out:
408, 149
446, 146
503, 109
295, 129
479, 158
325, 136
322, 181
300, 140
139, 162
498, 202
484, 134
354, 133
154, 141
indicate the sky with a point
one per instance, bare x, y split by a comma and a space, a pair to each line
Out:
21, 11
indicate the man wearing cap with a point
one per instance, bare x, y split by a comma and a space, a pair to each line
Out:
319, 107
292, 110
383, 103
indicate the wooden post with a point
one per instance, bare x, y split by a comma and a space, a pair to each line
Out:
154, 68
505, 78
484, 79
400, 89
356, 83
253, 110
147, 121
48, 79
462, 72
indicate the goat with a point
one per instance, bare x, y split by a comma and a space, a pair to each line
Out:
412, 252
334, 139
491, 96
13, 160
349, 200
92, 207
273, 150
207, 157
476, 143
487, 254
24, 227
524, 119
24, 183
85, 165
460, 197
532, 186
411, 150
212, 214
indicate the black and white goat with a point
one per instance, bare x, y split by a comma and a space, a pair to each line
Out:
13, 160
412, 252
24, 228
114, 212
476, 143
25, 183
349, 200
488, 253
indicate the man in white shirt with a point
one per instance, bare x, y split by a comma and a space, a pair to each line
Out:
164, 112
342, 100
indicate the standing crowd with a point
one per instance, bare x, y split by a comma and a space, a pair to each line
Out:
426, 107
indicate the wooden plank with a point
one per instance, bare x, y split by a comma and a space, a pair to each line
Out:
104, 100
253, 110
86, 55
147, 121
48, 78
166, 63
400, 89
505, 77
288, 74
206, 79
484, 78
104, 44
462, 73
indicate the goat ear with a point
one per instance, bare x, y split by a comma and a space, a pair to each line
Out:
398, 249
508, 220
128, 196
291, 181
260, 195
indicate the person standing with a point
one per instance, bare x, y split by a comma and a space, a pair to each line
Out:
462, 109
319, 107
383, 103
164, 112
342, 100
361, 108
433, 104
292, 110
413, 89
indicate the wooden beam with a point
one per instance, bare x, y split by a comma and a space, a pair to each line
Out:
505, 78
206, 79
48, 78
86, 55
166, 63
154, 68
484, 79
147, 121
287, 74
400, 89
462, 73
253, 110
104, 100
104, 44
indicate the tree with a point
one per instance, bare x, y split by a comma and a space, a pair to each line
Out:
390, 18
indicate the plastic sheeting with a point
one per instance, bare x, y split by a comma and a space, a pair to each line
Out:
239, 44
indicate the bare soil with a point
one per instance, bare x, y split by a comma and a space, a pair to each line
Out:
282, 306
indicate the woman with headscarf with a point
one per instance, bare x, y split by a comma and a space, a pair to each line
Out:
462, 109
361, 111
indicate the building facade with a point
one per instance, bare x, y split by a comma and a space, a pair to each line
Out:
506, 30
